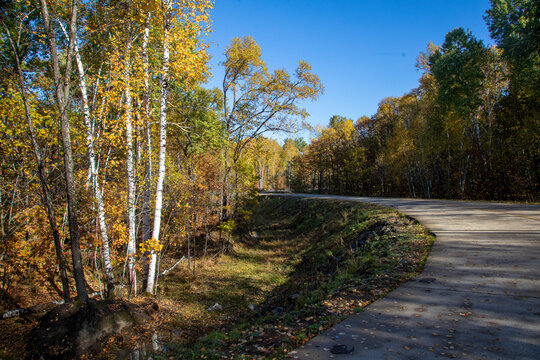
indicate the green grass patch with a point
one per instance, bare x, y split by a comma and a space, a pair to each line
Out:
306, 264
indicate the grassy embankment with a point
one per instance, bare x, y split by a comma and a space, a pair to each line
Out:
306, 264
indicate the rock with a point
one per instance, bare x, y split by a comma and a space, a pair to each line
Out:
340, 349
253, 307
215, 307
13, 313
69, 331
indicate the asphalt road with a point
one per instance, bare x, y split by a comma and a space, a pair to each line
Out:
477, 298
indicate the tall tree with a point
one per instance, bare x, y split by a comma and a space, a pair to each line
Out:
38, 152
256, 101
128, 115
62, 82
183, 56
147, 191
515, 27
458, 70
93, 168
167, 13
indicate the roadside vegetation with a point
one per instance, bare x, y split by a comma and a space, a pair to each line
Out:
298, 267
302, 266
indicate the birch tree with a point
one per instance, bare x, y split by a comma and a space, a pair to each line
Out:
146, 211
131, 186
164, 84
93, 170
183, 23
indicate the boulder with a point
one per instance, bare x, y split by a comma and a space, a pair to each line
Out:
70, 330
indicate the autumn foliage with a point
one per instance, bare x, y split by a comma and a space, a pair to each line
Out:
158, 165
471, 130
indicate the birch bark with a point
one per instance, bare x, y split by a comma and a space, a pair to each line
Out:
147, 231
109, 275
131, 250
162, 148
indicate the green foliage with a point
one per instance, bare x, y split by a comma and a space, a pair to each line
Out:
300, 144
198, 114
227, 226
458, 69
515, 27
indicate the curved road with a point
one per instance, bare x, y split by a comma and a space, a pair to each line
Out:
477, 298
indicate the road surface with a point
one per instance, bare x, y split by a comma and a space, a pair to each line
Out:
478, 296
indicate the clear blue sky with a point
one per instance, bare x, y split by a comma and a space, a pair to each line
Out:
363, 51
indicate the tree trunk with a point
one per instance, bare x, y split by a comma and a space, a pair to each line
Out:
62, 87
147, 231
162, 151
109, 275
224, 196
132, 248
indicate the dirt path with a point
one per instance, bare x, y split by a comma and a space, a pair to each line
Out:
477, 298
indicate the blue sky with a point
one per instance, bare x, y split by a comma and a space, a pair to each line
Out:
363, 51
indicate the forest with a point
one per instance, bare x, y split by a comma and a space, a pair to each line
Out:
117, 161
112, 146
470, 130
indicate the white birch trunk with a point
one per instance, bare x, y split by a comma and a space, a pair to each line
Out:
147, 231
162, 151
132, 248
93, 173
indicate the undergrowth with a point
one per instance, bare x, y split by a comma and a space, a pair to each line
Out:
313, 262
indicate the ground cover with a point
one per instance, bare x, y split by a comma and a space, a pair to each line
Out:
306, 264
298, 267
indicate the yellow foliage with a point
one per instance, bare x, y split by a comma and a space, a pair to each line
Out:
150, 246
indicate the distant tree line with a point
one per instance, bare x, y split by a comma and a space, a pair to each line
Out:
471, 130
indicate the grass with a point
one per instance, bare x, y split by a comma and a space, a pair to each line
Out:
307, 264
